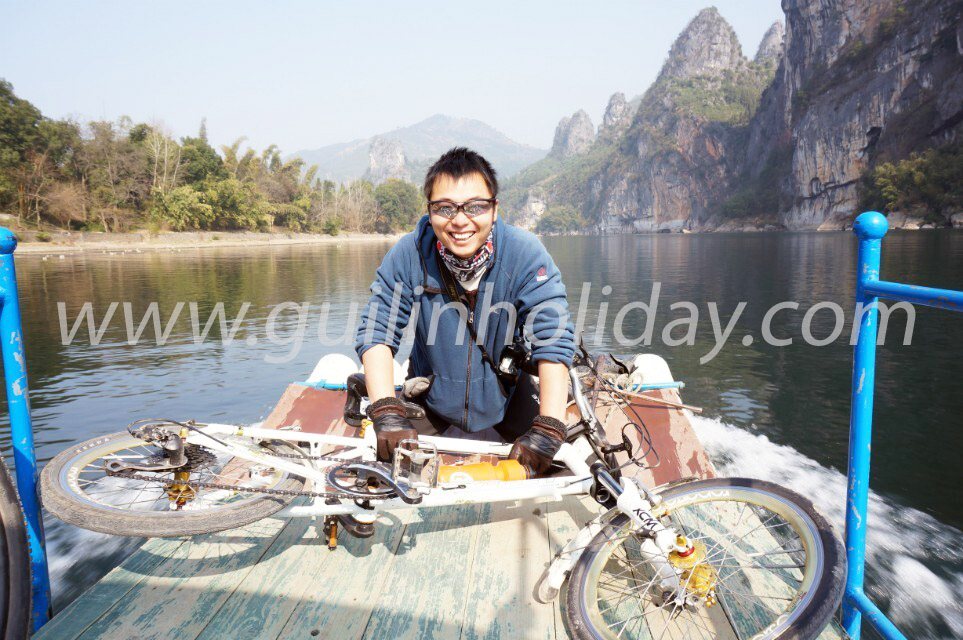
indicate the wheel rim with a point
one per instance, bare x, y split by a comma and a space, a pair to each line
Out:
85, 478
765, 553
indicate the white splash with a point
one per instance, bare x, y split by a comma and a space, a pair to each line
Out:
914, 562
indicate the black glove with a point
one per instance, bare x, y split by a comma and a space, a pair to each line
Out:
390, 425
536, 448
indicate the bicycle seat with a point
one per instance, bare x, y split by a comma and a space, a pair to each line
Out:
358, 390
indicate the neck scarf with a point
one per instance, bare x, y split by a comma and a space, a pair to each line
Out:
466, 269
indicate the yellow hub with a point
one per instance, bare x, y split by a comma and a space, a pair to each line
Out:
697, 575
180, 493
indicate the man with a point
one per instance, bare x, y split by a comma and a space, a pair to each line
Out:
505, 283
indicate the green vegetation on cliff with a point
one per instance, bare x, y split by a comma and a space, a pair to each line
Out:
731, 99
116, 176
560, 219
927, 184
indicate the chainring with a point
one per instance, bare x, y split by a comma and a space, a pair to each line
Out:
361, 479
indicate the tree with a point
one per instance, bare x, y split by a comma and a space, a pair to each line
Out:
560, 219
116, 171
199, 161
399, 204
184, 208
236, 205
164, 155
356, 202
231, 159
50, 160
19, 136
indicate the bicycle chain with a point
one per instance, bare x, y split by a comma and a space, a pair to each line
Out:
197, 484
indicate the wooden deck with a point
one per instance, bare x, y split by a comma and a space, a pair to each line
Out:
464, 572
459, 572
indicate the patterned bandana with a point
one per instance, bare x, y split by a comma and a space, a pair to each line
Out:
466, 269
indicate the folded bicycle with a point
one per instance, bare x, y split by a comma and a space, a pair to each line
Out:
718, 558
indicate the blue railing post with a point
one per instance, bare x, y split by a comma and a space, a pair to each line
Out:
870, 228
21, 430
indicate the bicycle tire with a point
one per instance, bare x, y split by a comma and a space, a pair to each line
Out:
15, 583
64, 497
821, 587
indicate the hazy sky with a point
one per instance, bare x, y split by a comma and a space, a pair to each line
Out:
306, 74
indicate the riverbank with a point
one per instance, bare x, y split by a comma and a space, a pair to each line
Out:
140, 241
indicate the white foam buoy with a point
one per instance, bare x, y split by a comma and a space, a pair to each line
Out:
333, 368
649, 368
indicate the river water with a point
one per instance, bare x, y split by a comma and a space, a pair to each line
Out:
778, 412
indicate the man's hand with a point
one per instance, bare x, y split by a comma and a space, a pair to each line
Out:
390, 425
536, 448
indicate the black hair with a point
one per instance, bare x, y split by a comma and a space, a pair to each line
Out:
459, 162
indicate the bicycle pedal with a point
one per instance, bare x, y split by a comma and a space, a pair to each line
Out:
330, 532
355, 528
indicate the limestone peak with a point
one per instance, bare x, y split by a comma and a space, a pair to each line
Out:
573, 135
708, 46
772, 43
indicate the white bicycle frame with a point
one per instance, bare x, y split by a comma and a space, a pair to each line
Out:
633, 499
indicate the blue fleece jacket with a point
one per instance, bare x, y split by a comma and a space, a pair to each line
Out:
522, 290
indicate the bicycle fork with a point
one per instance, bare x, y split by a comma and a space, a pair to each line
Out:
655, 540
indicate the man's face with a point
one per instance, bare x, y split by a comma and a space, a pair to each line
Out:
461, 235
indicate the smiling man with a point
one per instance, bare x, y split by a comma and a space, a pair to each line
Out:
465, 271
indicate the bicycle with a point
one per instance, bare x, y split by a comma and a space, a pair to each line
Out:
15, 591
733, 558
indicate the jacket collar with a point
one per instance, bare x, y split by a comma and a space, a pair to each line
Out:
425, 239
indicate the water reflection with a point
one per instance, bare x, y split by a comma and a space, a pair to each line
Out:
796, 395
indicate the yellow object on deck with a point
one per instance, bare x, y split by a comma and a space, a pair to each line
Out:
504, 470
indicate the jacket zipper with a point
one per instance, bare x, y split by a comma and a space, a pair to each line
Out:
471, 320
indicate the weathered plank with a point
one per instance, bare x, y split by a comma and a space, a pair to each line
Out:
510, 553
347, 582
100, 598
563, 520
262, 603
424, 594
186, 591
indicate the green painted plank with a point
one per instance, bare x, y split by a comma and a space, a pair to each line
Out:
425, 594
261, 605
183, 593
346, 584
101, 597
510, 554
563, 520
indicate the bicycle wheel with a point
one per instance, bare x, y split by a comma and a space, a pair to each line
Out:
774, 566
15, 587
77, 489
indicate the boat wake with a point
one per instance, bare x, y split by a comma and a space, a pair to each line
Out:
914, 565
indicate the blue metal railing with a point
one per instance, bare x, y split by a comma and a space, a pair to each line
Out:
870, 228
21, 430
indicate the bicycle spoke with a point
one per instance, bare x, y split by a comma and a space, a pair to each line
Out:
758, 563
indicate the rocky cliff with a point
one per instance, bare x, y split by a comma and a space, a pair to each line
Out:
782, 141
667, 165
707, 47
573, 135
618, 114
863, 82
386, 160
771, 46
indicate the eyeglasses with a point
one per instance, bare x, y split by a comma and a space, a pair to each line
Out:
472, 208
